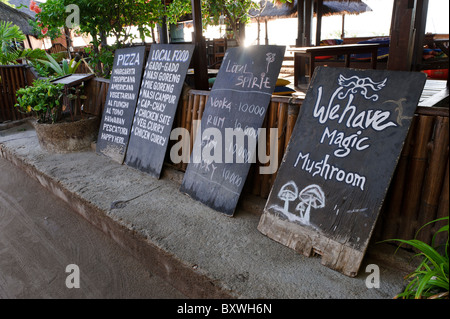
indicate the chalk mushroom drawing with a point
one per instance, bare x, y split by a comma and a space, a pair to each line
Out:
288, 193
311, 196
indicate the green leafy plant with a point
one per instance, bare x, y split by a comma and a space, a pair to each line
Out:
102, 61
43, 98
10, 37
65, 68
431, 278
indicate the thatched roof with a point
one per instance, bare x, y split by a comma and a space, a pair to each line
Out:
17, 17
18, 3
289, 10
344, 7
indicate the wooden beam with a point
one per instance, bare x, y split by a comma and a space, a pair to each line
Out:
308, 18
301, 23
419, 25
163, 32
402, 35
200, 56
319, 21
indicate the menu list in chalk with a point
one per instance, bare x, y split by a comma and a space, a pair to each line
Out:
161, 87
225, 145
121, 102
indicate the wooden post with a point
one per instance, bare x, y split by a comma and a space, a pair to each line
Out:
200, 60
402, 35
163, 32
319, 21
68, 41
267, 32
301, 23
308, 18
419, 26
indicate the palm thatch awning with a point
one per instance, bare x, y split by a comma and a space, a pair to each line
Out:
23, 6
18, 18
289, 10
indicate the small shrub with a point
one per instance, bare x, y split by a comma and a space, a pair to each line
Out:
430, 280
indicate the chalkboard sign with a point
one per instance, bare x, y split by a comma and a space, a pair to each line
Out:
225, 144
121, 102
339, 163
161, 87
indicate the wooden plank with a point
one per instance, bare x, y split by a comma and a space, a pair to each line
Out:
329, 192
418, 165
271, 123
393, 217
434, 178
440, 98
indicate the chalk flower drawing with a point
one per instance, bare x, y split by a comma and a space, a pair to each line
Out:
363, 85
270, 57
311, 196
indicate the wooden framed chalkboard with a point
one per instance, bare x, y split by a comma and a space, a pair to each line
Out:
339, 163
161, 87
120, 103
225, 143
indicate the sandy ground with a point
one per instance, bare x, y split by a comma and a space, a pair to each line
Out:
40, 236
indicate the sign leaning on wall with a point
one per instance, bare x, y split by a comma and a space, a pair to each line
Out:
161, 87
225, 143
120, 103
340, 160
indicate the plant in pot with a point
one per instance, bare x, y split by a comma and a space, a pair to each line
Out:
57, 129
430, 280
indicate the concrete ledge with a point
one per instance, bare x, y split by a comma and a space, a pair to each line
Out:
202, 253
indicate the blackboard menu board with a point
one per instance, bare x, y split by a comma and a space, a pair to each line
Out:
161, 87
121, 102
339, 162
225, 144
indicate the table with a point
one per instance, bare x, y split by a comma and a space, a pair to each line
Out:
442, 44
303, 53
73, 81
190, 76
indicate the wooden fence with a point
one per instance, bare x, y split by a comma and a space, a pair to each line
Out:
95, 91
419, 190
12, 78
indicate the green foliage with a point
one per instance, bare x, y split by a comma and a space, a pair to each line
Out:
102, 61
42, 32
10, 36
43, 98
33, 56
234, 11
65, 68
431, 278
104, 18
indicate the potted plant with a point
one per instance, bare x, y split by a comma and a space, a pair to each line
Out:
57, 129
430, 280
